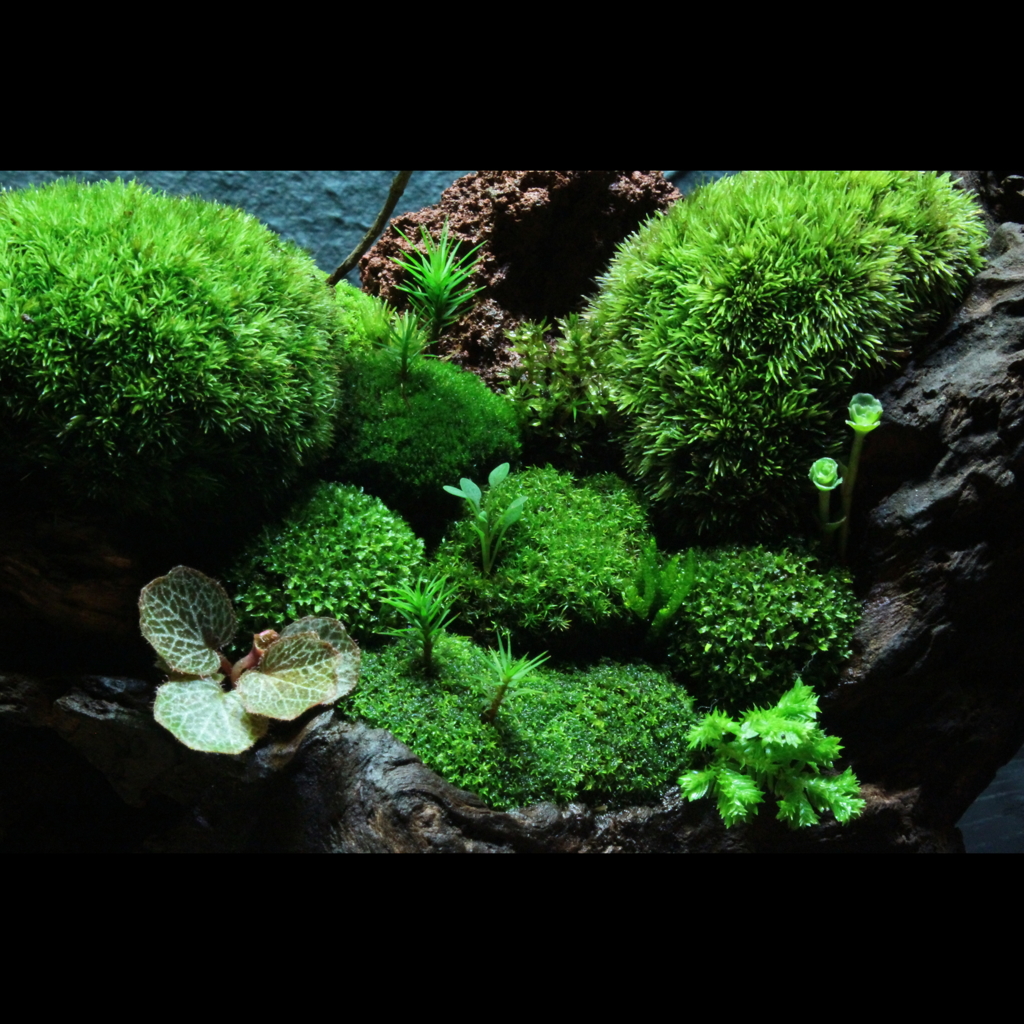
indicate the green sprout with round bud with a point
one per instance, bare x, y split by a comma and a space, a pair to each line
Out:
825, 476
865, 414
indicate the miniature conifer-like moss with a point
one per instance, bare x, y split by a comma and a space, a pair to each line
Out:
730, 328
187, 618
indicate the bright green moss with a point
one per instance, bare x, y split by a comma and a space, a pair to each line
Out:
736, 322
363, 319
755, 620
565, 563
334, 555
404, 440
157, 353
613, 732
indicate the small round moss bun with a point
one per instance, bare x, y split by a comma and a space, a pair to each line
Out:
564, 564
336, 554
403, 440
756, 620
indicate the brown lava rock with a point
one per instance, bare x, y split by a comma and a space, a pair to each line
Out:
546, 236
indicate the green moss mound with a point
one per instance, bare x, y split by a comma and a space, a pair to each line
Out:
404, 440
614, 733
742, 314
363, 319
755, 620
336, 554
158, 354
563, 566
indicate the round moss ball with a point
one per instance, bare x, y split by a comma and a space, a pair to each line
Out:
736, 322
158, 354
336, 554
404, 439
563, 565
756, 620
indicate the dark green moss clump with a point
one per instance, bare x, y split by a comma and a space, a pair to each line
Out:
612, 733
756, 620
732, 327
159, 354
403, 440
563, 565
335, 554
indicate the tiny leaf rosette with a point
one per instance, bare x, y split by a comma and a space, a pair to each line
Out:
865, 413
825, 475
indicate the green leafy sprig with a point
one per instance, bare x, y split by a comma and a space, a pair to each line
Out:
425, 607
510, 671
438, 291
780, 750
406, 340
660, 587
490, 533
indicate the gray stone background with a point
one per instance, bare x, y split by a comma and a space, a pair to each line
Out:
328, 212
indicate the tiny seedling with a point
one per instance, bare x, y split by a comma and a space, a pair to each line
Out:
510, 671
660, 588
438, 291
406, 340
216, 707
780, 750
490, 533
425, 608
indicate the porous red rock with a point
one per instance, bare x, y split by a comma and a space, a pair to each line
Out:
546, 235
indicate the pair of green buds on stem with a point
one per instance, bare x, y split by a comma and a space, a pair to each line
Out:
865, 414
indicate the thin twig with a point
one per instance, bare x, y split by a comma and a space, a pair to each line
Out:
401, 179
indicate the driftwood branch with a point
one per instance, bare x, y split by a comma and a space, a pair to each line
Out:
398, 184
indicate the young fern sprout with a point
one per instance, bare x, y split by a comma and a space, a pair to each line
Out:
489, 532
658, 590
510, 671
438, 291
425, 608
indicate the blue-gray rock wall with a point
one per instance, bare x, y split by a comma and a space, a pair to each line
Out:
326, 212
